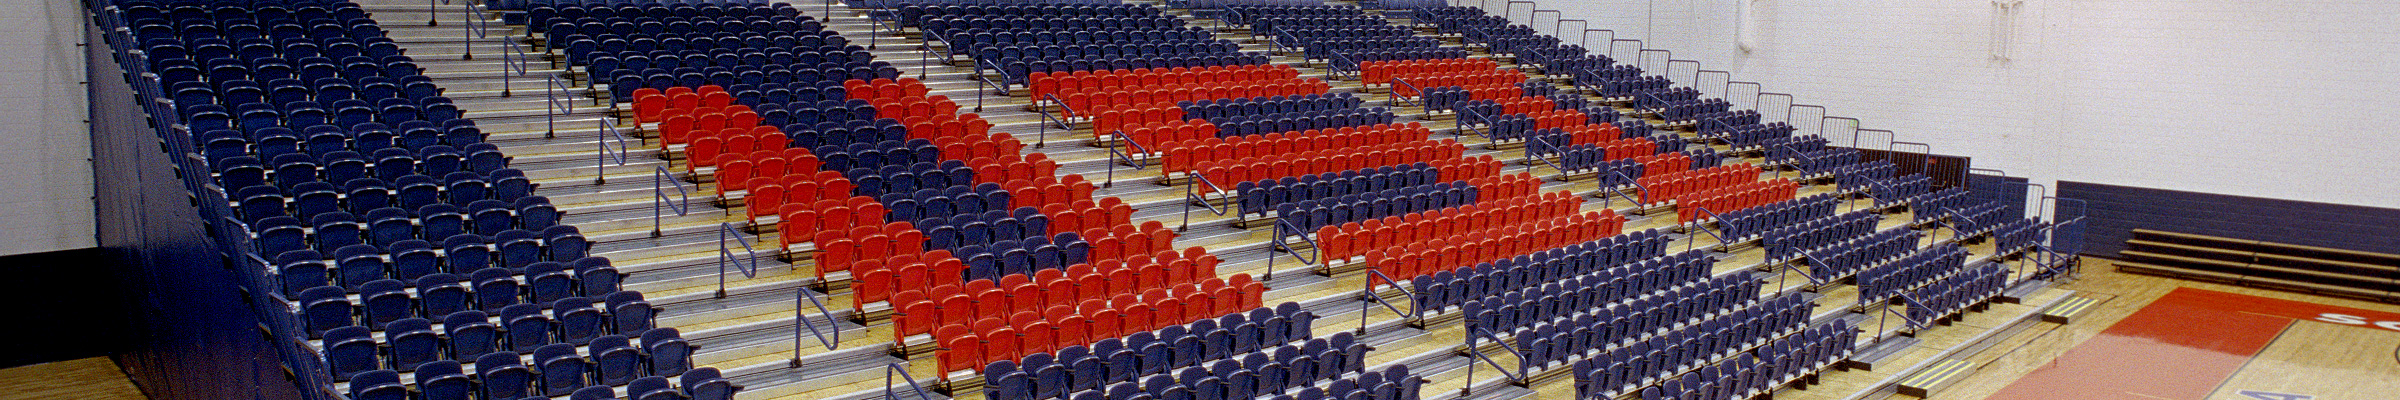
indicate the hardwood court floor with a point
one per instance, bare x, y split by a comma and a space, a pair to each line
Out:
2288, 353
89, 378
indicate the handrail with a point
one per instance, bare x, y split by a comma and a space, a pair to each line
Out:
1913, 322
1476, 332
1553, 150
1192, 194
1116, 153
831, 342
1064, 118
475, 28
1606, 190
888, 370
1414, 310
1702, 226
1489, 127
660, 179
606, 132
1337, 70
1396, 84
725, 231
553, 106
875, 37
1813, 264
1283, 230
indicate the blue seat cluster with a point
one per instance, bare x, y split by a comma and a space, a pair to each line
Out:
1448, 97
1228, 108
1955, 292
1244, 375
1977, 218
1786, 359
1935, 206
557, 370
2016, 235
1308, 215
1244, 347
1644, 300
1904, 275
1653, 355
971, 40
661, 45
1861, 176
1257, 198
889, 4
1791, 147
912, 14
1835, 261
1616, 267
1349, 60
1763, 220
1742, 136
1822, 161
1900, 190
1726, 118
1564, 59
1246, 125
1787, 242
1205, 4
362, 208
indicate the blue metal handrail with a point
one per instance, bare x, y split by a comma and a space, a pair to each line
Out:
876, 25
1475, 333
1489, 127
892, 368
554, 106
806, 298
1606, 190
1542, 156
1064, 118
725, 253
1702, 227
1397, 84
608, 131
1192, 194
1415, 310
1117, 153
1787, 268
1337, 69
660, 180
981, 64
1905, 302
1283, 231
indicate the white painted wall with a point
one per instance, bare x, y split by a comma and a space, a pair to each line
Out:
2272, 98
45, 164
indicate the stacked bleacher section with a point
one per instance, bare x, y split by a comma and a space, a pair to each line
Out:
393, 252
406, 260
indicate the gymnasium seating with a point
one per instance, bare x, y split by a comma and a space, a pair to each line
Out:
370, 210
1764, 221
1910, 272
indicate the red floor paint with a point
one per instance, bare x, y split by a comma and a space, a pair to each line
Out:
2178, 348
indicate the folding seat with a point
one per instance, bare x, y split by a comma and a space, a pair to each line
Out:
669, 354
562, 370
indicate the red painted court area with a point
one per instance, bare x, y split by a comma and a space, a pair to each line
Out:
2180, 347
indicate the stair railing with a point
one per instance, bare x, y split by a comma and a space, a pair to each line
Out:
1702, 227
1477, 334
555, 105
1420, 95
807, 299
608, 131
1372, 298
1064, 118
660, 180
1193, 195
1543, 154
1341, 66
1124, 155
898, 368
1610, 201
748, 265
1284, 230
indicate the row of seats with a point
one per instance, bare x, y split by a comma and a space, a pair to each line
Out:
1621, 266
1218, 371
1468, 247
1185, 155
1664, 186
1322, 161
1952, 294
1783, 360
1861, 176
1533, 312
1679, 352
987, 351
555, 371
1838, 260
1346, 241
1263, 196
1900, 190
1742, 136
1883, 282
1762, 221
1733, 198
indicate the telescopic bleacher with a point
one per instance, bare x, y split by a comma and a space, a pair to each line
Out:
708, 200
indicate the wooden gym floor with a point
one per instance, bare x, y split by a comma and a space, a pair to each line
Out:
2149, 338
